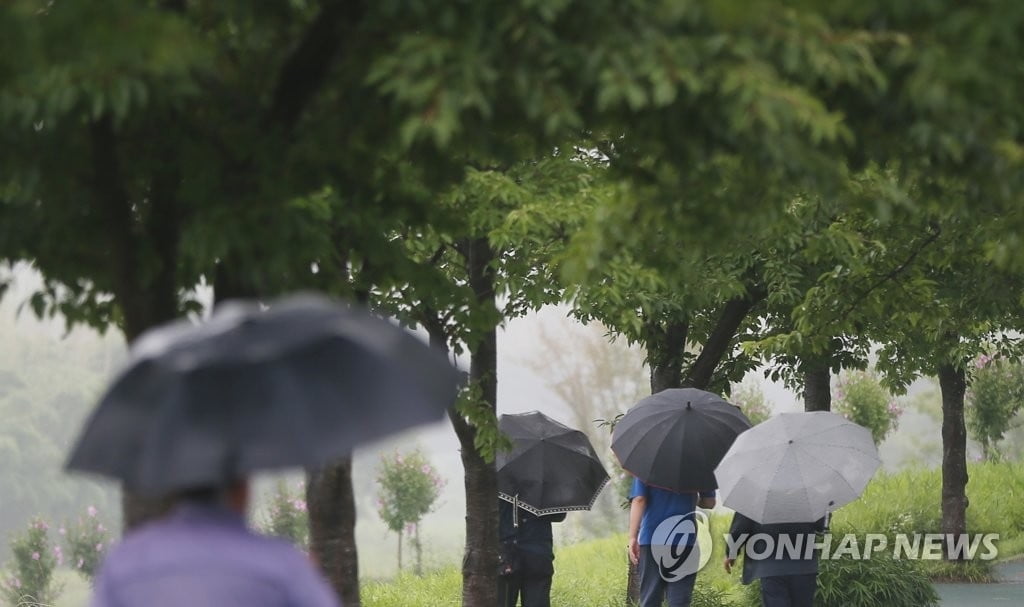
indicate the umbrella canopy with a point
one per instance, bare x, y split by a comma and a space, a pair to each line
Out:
297, 384
551, 467
796, 467
675, 438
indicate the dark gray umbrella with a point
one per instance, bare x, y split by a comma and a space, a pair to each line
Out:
297, 384
551, 467
674, 439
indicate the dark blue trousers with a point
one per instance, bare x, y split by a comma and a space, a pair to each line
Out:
654, 588
789, 590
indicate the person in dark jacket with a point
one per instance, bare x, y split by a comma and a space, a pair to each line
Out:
781, 555
528, 556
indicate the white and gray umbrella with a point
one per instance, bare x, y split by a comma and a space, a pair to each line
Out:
796, 467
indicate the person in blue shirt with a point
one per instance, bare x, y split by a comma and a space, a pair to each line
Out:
650, 507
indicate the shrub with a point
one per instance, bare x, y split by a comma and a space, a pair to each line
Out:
287, 515
749, 397
87, 541
875, 581
994, 400
408, 487
30, 578
862, 399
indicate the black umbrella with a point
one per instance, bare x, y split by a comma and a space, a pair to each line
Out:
298, 384
551, 468
675, 439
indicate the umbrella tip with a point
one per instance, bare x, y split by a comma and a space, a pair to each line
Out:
689, 405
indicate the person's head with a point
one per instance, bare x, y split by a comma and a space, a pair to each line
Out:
233, 496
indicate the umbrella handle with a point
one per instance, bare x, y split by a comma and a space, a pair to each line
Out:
515, 511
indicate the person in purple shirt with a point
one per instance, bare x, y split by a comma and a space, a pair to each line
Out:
203, 554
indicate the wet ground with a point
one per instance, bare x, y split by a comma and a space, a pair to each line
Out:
1008, 591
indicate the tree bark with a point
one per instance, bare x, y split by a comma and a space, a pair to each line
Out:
332, 520
817, 387
666, 347
953, 383
720, 342
480, 560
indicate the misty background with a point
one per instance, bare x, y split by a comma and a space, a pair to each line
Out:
50, 378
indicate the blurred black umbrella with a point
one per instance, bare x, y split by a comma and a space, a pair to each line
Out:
298, 384
674, 439
551, 468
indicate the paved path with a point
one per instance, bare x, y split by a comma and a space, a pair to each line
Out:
1009, 591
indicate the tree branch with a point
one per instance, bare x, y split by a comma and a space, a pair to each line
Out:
305, 70
935, 233
720, 340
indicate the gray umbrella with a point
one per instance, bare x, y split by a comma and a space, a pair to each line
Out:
796, 467
675, 438
297, 384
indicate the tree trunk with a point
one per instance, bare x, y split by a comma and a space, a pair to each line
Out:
480, 561
666, 347
399, 550
332, 527
418, 545
817, 387
953, 382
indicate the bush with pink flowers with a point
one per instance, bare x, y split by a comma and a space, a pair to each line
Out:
29, 578
287, 516
87, 541
862, 399
408, 488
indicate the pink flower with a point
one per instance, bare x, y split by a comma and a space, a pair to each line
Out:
62, 531
100, 528
299, 505
81, 563
426, 469
99, 547
91, 510
17, 583
35, 556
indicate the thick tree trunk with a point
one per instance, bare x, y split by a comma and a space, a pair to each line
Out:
817, 387
480, 561
332, 527
666, 347
953, 382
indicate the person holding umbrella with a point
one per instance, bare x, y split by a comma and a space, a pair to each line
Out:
200, 408
788, 577
671, 442
551, 469
783, 477
650, 507
203, 555
528, 555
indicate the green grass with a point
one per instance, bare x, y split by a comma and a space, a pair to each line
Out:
593, 573
909, 502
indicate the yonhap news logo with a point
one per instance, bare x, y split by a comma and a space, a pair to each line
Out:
681, 545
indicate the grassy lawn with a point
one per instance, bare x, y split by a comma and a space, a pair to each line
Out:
593, 573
